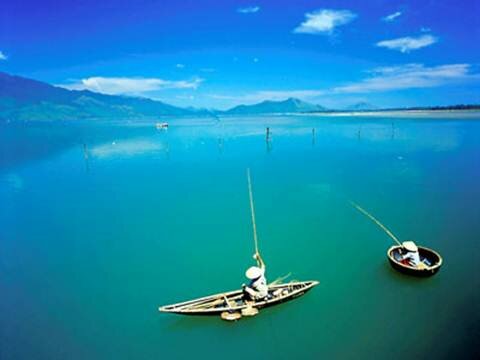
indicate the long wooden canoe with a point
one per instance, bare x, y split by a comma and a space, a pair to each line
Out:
432, 256
233, 301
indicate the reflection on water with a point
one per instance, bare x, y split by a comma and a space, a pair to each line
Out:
25, 142
127, 148
12, 180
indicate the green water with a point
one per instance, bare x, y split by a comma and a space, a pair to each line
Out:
94, 237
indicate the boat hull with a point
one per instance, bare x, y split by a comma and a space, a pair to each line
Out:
433, 257
216, 304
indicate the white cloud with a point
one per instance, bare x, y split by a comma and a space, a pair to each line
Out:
249, 10
409, 76
324, 21
180, 66
3, 56
425, 29
391, 17
124, 85
407, 44
382, 79
185, 97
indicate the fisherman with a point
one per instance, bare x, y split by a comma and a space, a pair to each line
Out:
411, 256
257, 289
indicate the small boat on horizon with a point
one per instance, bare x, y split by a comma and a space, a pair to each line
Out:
161, 125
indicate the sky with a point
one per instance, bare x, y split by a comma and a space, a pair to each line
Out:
218, 54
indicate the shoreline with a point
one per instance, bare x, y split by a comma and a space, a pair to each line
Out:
430, 114
474, 113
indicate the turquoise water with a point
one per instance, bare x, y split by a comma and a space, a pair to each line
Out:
102, 223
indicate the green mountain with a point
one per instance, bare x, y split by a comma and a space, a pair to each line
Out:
26, 99
290, 105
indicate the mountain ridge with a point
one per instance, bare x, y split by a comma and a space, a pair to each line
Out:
26, 99
361, 106
270, 107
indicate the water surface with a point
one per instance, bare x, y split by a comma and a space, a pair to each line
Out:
103, 222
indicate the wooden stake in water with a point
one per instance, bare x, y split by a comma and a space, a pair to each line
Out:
85, 156
252, 208
371, 217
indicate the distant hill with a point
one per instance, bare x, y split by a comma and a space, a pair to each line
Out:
290, 105
26, 99
361, 106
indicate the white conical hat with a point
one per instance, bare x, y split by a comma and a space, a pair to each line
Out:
253, 272
410, 246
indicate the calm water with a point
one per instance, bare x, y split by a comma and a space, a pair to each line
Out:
101, 224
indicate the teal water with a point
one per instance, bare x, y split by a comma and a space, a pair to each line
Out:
102, 223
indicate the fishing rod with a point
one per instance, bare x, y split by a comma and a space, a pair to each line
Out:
252, 208
280, 279
371, 217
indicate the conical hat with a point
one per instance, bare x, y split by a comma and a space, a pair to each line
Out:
410, 246
249, 311
230, 316
253, 272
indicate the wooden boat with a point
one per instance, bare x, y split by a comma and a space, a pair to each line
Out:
233, 305
431, 257
233, 301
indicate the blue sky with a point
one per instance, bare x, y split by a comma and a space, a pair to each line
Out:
222, 53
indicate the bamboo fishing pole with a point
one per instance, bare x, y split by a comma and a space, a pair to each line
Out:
252, 208
279, 279
371, 217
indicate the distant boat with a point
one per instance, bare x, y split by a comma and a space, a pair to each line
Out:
161, 125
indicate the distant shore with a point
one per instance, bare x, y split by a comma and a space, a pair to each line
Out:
446, 113
473, 114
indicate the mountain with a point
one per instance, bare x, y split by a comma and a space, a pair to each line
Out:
26, 99
290, 105
361, 106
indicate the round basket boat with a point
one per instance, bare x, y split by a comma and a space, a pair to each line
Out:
431, 257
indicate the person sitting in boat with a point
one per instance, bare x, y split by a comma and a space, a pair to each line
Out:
411, 256
257, 289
